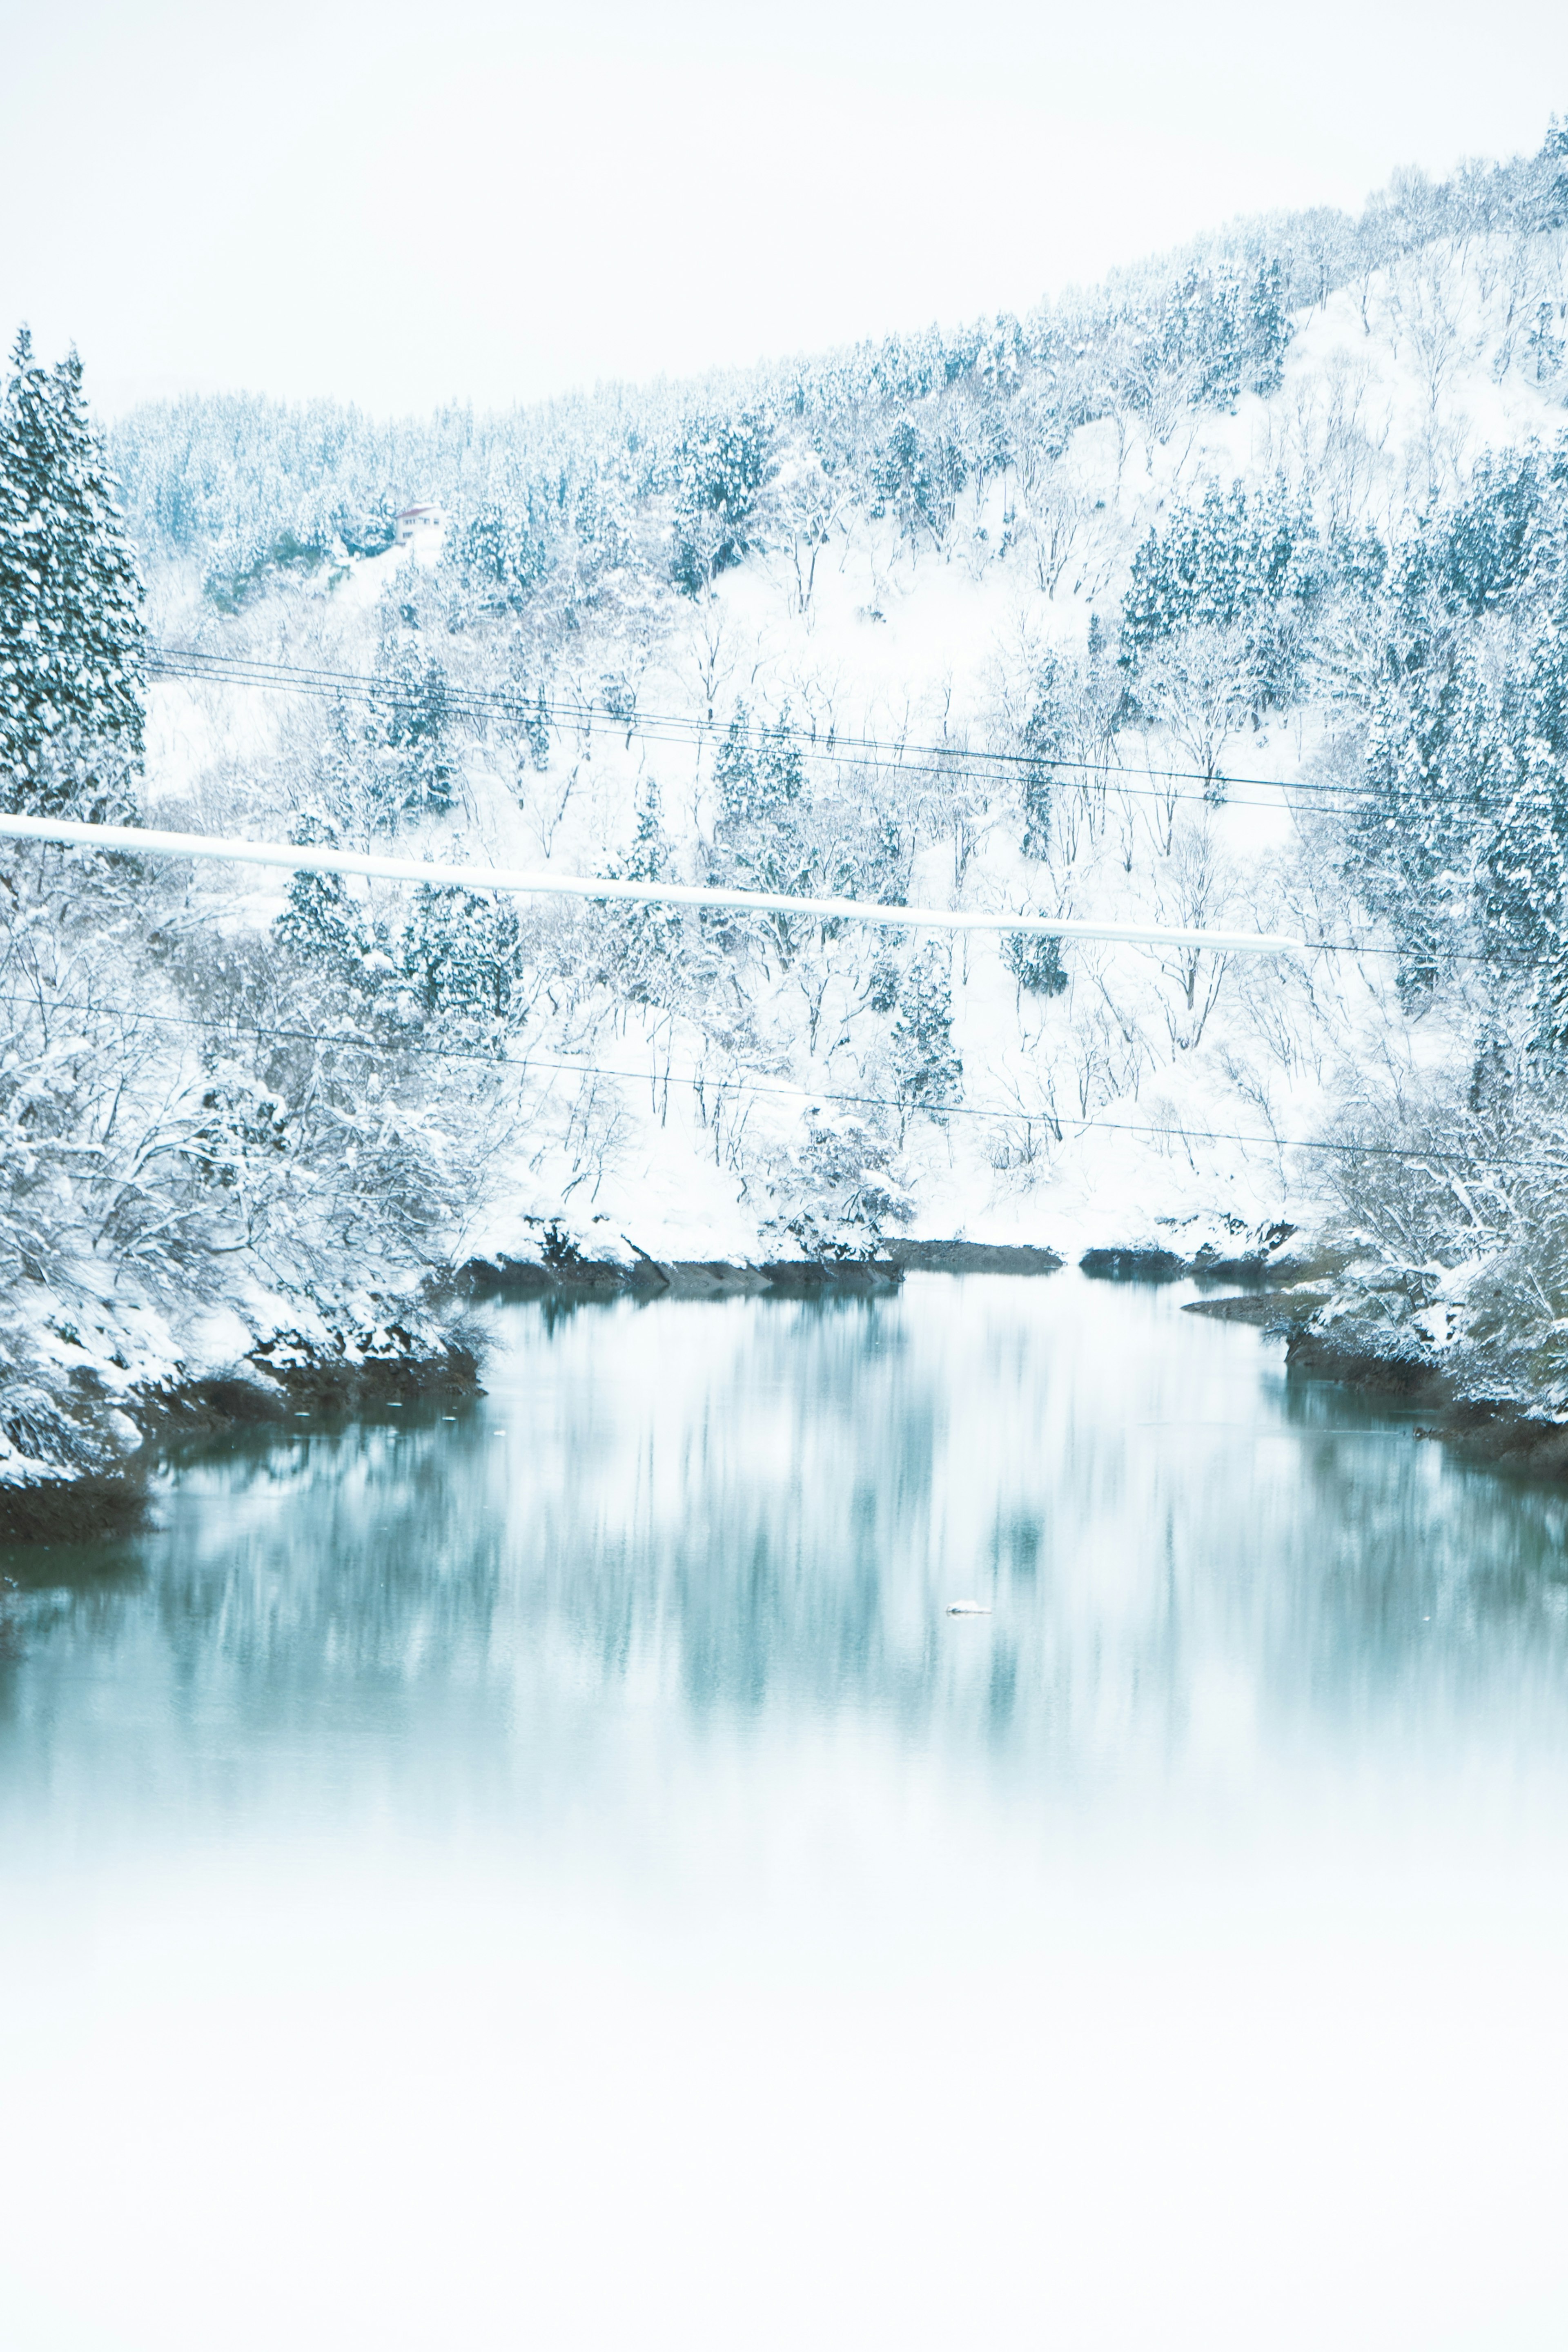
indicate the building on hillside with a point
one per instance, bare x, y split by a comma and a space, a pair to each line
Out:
416, 522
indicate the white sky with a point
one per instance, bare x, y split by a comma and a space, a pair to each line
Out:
413, 202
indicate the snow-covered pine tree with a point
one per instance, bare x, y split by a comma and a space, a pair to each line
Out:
322, 923
72, 641
756, 781
1035, 962
764, 838
1202, 332
1524, 821
410, 730
1268, 328
1545, 206
927, 1070
718, 471
1248, 565
1506, 535
1043, 745
462, 952
537, 730
1464, 830
645, 940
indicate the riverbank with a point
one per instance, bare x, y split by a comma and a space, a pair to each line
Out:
106, 1436
101, 1486
1464, 1405
1494, 1433
81, 1438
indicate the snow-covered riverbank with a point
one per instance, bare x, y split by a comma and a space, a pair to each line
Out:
1220, 599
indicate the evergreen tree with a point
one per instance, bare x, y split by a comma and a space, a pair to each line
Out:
1268, 328
883, 981
926, 1066
413, 761
503, 554
735, 774
1203, 330
398, 759
1545, 206
717, 472
72, 642
1044, 743
758, 782
907, 477
1465, 827
1518, 745
1220, 561
323, 922
1506, 535
462, 953
1246, 565
760, 840
537, 730
647, 938
1035, 961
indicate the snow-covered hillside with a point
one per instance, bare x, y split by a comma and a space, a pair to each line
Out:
911, 644
1092, 619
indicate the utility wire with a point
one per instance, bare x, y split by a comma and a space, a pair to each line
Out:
947, 765
149, 841
744, 1084
910, 758
847, 750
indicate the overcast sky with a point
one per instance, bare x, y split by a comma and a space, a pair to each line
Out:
403, 204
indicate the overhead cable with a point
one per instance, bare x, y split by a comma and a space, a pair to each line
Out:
743, 1083
848, 748
542, 882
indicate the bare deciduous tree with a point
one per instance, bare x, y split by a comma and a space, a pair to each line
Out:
805, 506
1199, 688
1191, 894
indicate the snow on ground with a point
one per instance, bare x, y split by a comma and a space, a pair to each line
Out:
1113, 1115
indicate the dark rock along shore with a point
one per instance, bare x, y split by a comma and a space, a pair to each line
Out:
1282, 1296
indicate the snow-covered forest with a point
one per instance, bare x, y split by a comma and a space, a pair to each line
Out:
1233, 593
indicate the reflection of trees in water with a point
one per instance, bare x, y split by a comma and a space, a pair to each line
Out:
301, 1590
1412, 1575
766, 1504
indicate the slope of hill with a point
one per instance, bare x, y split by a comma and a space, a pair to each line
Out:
1229, 595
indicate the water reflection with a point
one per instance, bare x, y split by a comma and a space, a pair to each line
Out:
519, 1877
722, 1511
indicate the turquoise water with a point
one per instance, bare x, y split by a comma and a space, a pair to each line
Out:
559, 1875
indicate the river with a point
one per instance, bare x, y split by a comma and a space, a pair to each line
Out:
559, 1875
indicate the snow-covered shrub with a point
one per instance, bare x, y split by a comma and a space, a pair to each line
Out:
1451, 1195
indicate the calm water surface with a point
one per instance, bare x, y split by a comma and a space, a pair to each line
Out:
558, 1876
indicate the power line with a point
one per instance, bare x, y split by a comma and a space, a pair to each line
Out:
140, 841
907, 758
700, 1081
948, 765
137, 841
850, 750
